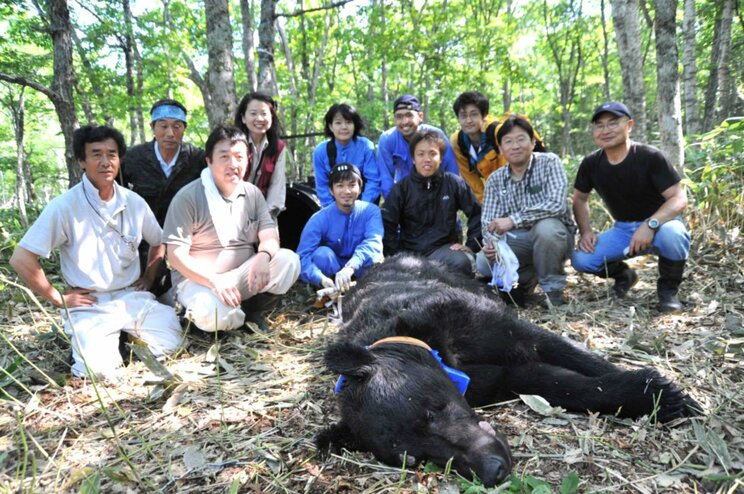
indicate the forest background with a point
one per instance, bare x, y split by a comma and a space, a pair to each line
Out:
679, 65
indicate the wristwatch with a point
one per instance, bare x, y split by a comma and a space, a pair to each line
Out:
653, 223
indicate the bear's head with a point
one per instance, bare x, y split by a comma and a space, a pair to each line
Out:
398, 403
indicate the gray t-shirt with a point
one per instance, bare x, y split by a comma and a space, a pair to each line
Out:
189, 222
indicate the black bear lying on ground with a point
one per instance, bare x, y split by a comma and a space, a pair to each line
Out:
398, 403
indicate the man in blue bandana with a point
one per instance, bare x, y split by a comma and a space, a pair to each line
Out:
157, 170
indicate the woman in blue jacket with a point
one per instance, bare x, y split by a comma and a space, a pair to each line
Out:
343, 126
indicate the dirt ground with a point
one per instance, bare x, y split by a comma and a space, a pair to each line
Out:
239, 414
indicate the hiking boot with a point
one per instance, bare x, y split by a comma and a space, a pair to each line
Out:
556, 298
624, 280
667, 286
257, 307
259, 320
518, 296
624, 277
515, 297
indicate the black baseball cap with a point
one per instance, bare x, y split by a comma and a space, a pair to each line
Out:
616, 108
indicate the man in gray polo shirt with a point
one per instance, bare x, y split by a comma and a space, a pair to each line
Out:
223, 243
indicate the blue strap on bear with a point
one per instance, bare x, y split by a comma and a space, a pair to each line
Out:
458, 377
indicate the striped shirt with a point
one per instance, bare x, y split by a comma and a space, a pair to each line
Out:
540, 194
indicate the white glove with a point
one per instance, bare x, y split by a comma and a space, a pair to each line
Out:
343, 279
326, 282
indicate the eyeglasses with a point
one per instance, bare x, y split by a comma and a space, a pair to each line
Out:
519, 141
468, 116
611, 125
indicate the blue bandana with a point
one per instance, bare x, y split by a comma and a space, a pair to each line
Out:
168, 111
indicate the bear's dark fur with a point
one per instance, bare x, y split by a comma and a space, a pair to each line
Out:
397, 397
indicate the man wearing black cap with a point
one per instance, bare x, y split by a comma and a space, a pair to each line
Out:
344, 238
393, 154
643, 193
157, 170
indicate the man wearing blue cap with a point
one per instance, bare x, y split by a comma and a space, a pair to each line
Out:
393, 153
157, 170
643, 193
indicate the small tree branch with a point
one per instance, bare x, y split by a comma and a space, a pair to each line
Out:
24, 81
330, 6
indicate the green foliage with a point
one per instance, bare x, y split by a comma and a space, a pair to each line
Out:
433, 49
715, 177
528, 484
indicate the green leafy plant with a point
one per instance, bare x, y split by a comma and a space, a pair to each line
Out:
715, 178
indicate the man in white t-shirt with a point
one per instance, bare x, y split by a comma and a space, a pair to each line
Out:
97, 227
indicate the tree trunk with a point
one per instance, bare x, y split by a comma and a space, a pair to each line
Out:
63, 81
266, 81
726, 91
628, 37
506, 94
17, 111
220, 77
667, 82
126, 46
140, 95
716, 54
249, 57
689, 69
605, 53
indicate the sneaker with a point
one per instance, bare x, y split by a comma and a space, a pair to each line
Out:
556, 298
624, 281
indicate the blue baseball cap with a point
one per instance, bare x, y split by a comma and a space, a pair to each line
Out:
407, 102
616, 108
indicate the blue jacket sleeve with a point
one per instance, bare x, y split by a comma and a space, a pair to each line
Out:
322, 174
385, 164
309, 243
449, 162
371, 172
369, 250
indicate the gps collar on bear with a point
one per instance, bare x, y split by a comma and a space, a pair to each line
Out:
458, 377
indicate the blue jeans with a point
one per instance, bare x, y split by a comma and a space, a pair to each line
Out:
672, 241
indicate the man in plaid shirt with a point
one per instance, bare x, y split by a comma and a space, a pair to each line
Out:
526, 201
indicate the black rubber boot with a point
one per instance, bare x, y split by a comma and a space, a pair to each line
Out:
258, 306
667, 286
624, 277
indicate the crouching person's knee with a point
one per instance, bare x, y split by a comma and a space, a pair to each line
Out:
285, 269
209, 314
584, 262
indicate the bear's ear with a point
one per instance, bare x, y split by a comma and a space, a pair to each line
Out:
349, 359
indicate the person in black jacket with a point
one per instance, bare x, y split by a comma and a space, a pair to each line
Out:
157, 170
420, 213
